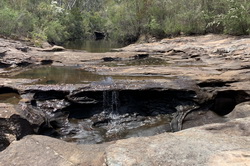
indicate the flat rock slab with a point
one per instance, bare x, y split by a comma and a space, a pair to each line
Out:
203, 59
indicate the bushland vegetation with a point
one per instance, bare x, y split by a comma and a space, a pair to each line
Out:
58, 21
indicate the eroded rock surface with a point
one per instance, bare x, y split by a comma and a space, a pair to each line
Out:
225, 143
148, 89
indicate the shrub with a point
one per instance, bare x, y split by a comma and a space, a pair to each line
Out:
25, 23
56, 33
8, 21
38, 37
236, 20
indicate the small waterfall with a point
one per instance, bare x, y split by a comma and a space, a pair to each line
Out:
115, 102
111, 110
105, 102
110, 97
111, 103
111, 106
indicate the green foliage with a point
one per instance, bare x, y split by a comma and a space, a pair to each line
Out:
122, 25
58, 21
237, 19
8, 21
56, 32
38, 37
24, 24
73, 23
155, 28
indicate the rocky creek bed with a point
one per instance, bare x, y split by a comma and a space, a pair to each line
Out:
180, 101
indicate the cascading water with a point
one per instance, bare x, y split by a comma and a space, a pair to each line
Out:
110, 98
111, 108
111, 113
111, 103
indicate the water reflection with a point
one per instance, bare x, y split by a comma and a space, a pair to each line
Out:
93, 45
60, 75
12, 98
74, 75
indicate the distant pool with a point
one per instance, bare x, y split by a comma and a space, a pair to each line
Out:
93, 45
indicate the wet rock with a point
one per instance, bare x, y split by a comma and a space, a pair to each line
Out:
32, 114
54, 105
44, 115
13, 128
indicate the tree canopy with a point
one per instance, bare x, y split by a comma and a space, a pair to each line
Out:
58, 21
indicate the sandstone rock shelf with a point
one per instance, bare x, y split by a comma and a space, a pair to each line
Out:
170, 85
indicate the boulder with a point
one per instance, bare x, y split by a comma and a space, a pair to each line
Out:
240, 111
41, 150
